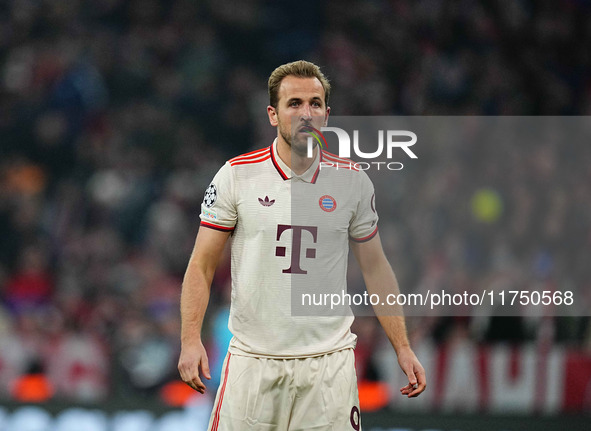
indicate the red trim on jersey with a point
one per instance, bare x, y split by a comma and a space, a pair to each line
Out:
365, 238
216, 227
216, 418
254, 158
246, 162
283, 175
252, 155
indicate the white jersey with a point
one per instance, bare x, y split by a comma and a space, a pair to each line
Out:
288, 230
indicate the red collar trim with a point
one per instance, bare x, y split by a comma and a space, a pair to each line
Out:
283, 175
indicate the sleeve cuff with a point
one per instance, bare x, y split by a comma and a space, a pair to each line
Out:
217, 227
365, 238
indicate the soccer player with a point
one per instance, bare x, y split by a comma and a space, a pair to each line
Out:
290, 221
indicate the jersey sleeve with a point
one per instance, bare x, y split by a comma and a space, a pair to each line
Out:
218, 209
364, 223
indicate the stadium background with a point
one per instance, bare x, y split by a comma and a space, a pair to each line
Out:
114, 116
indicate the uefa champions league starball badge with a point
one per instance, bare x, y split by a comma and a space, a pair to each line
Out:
211, 195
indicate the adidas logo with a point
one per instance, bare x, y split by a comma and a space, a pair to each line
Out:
266, 202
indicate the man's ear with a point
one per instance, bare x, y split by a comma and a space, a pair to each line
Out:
272, 113
326, 116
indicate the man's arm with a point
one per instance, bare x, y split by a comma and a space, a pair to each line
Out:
380, 279
194, 299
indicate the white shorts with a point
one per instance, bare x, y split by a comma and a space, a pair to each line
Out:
263, 394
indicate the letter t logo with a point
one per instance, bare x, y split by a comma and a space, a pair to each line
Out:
296, 246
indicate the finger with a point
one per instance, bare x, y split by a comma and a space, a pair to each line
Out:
205, 368
191, 377
416, 392
412, 378
420, 386
198, 385
193, 386
406, 391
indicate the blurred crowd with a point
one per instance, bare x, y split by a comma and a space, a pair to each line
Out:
114, 116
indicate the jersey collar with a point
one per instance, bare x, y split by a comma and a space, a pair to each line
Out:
310, 176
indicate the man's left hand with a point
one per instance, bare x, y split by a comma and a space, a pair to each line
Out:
417, 379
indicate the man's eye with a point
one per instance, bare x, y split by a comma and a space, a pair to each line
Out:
317, 105
294, 104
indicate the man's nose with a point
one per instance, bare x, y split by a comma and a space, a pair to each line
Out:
306, 112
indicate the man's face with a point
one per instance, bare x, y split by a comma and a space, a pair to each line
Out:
300, 104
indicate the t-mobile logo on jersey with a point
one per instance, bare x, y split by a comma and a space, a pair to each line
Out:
296, 246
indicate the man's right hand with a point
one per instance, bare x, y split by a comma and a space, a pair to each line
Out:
193, 358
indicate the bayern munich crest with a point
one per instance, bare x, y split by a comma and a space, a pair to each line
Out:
211, 195
327, 203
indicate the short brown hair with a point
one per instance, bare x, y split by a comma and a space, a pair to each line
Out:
301, 69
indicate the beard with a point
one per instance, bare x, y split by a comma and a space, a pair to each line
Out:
298, 142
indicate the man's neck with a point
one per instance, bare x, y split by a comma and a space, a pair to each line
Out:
296, 162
